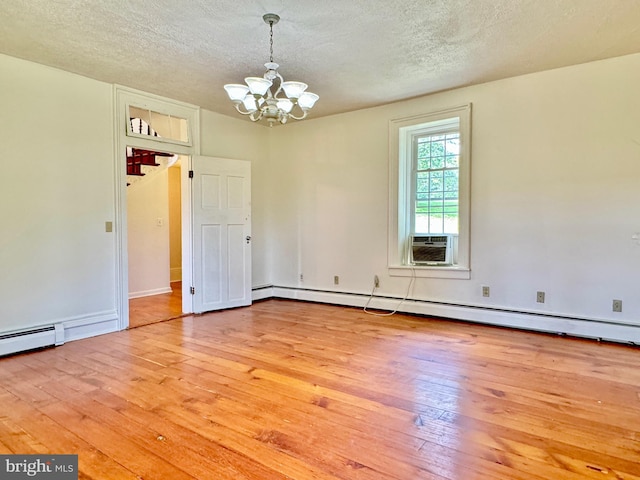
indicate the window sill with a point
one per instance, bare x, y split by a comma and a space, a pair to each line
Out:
457, 273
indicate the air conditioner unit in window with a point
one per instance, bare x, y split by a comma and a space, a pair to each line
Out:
430, 250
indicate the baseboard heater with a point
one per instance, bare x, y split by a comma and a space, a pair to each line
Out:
23, 340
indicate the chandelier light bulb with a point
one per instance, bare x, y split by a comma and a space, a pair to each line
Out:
269, 96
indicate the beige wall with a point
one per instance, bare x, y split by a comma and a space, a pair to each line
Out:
57, 261
554, 192
175, 223
57, 190
554, 189
148, 235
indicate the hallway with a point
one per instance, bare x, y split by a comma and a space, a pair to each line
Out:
156, 308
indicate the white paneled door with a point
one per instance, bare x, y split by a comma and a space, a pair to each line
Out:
221, 233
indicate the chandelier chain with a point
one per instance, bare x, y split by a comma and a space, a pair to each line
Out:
271, 41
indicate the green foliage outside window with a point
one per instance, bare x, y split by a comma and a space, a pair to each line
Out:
437, 183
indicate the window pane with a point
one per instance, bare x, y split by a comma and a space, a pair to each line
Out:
437, 148
422, 182
144, 115
423, 163
451, 180
437, 162
452, 161
421, 224
436, 181
453, 145
423, 149
451, 208
436, 225
452, 150
158, 124
436, 204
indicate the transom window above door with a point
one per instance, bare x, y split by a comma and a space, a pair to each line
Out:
145, 123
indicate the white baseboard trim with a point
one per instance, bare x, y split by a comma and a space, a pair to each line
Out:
86, 326
58, 332
149, 293
99, 323
578, 327
262, 293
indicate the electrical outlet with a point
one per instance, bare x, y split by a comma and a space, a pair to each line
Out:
336, 280
485, 291
617, 305
540, 297
301, 277
376, 281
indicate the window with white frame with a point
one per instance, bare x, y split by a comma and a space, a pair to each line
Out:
430, 167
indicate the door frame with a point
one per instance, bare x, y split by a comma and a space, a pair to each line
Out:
124, 97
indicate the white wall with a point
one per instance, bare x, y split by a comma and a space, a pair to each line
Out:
235, 138
148, 241
554, 202
57, 262
554, 195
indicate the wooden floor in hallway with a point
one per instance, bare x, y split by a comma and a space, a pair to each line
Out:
156, 308
292, 390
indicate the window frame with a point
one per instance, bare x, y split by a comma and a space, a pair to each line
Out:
172, 111
402, 131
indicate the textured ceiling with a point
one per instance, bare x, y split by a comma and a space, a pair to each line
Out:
353, 53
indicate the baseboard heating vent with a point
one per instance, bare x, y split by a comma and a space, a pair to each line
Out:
22, 340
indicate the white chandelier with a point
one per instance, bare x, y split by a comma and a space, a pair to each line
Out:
258, 101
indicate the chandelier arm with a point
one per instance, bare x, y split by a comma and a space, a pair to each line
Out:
304, 115
279, 77
237, 105
268, 95
255, 118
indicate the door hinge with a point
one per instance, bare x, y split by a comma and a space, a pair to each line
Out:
190, 173
192, 290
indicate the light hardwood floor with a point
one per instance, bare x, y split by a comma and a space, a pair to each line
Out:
290, 390
156, 308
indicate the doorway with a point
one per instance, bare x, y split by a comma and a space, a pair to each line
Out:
156, 124
154, 218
